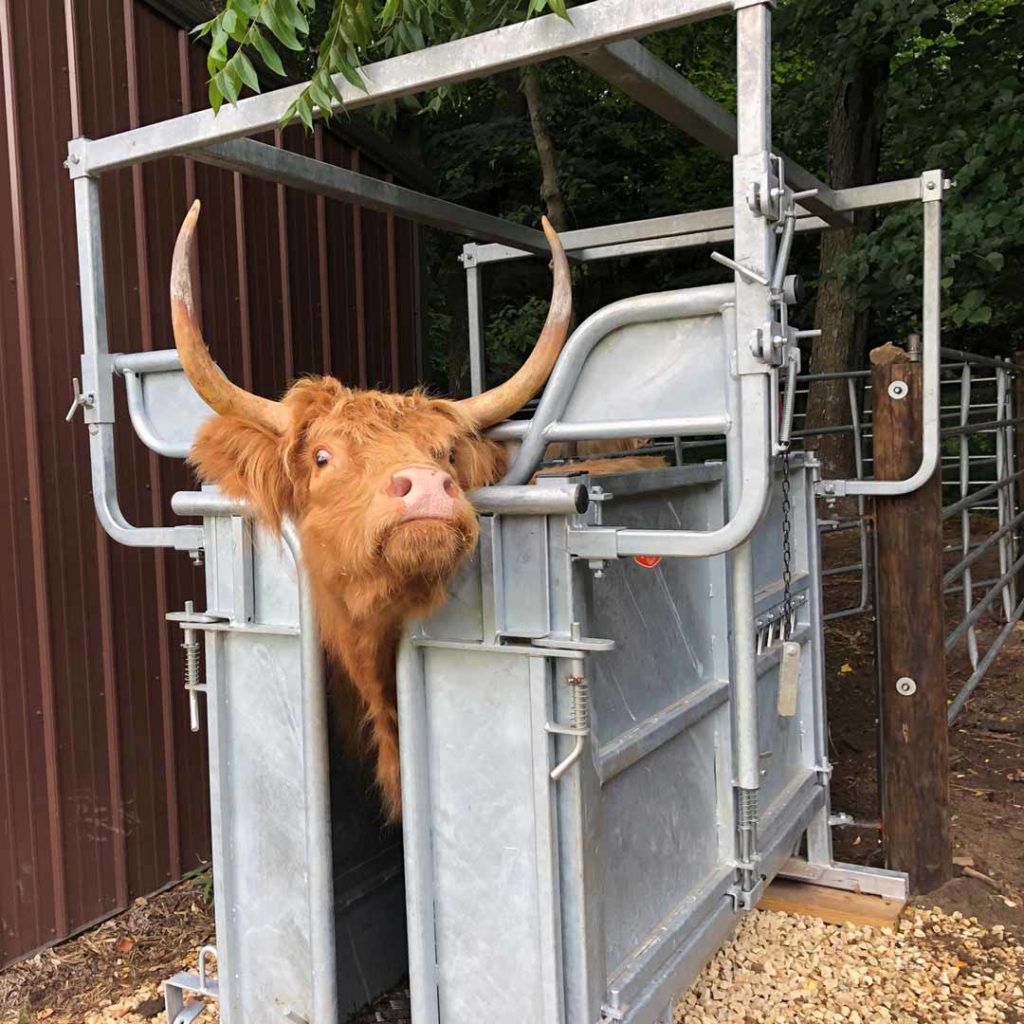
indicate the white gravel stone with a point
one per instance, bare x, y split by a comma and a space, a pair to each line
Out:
932, 968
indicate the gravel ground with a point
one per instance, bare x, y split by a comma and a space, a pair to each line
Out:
932, 968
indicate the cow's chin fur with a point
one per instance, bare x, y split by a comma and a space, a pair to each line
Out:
425, 551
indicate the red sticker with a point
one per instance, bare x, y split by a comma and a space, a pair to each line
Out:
647, 561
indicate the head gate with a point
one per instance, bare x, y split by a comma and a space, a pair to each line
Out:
603, 762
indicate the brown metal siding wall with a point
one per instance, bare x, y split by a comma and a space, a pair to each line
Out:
103, 792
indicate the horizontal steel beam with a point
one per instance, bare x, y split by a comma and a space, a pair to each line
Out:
302, 172
462, 60
645, 78
688, 230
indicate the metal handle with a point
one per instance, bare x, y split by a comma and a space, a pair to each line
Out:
80, 400
932, 185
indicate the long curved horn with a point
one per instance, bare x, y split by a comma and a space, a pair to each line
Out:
205, 375
499, 403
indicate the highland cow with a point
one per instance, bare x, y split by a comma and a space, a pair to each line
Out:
376, 484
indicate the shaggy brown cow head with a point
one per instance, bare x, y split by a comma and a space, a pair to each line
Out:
375, 482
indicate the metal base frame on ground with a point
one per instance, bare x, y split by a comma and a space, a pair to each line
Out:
560, 839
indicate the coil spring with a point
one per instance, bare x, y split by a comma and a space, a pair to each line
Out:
191, 649
580, 702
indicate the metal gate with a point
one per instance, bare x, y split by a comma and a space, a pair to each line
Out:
613, 735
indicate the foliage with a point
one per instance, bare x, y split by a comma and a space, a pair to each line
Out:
202, 880
955, 100
340, 35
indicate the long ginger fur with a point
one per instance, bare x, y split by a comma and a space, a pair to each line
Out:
369, 571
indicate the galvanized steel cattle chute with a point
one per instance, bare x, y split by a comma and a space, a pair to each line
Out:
604, 760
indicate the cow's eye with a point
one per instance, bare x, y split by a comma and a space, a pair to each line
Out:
322, 456
451, 456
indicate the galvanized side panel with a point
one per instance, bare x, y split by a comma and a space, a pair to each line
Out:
263, 935
662, 838
675, 365
491, 839
662, 715
669, 622
788, 744
261, 810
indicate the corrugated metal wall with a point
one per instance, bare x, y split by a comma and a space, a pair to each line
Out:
103, 786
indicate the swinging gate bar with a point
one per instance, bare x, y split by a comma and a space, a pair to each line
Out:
740, 332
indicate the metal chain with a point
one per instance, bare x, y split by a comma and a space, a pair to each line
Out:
786, 627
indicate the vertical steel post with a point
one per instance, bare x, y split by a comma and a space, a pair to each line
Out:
475, 301
1004, 499
317, 792
1018, 458
964, 441
753, 248
419, 856
97, 398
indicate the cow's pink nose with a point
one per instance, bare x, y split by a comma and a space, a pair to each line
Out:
424, 493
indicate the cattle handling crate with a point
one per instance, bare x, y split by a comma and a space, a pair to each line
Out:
613, 735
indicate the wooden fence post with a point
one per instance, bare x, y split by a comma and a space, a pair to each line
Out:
914, 771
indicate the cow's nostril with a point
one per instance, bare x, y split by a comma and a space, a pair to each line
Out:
401, 485
449, 486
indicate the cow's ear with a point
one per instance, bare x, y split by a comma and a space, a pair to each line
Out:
245, 460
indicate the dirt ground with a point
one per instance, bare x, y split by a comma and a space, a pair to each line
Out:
986, 751
113, 973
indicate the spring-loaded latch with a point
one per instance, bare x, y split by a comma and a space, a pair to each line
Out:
580, 727
191, 623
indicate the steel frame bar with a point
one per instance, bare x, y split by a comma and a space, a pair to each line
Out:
97, 385
985, 664
932, 185
688, 230
332, 182
530, 42
982, 606
650, 81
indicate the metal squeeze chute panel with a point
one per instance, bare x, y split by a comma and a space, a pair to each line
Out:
653, 370
668, 814
611, 887
254, 681
788, 743
491, 811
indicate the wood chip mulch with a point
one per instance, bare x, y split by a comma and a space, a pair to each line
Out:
115, 971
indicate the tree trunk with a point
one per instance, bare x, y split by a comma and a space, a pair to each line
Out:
550, 190
854, 142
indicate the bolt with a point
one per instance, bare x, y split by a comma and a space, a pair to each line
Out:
905, 686
898, 390
930, 185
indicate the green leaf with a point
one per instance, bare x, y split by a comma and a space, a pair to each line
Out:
996, 259
246, 71
219, 44
319, 95
267, 52
282, 30
216, 96
229, 83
